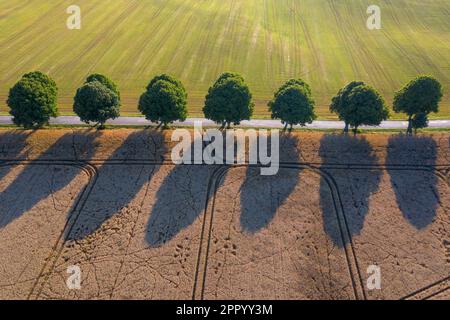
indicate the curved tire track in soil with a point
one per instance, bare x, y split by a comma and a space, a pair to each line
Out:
74, 213
350, 252
90, 169
353, 269
432, 169
90, 172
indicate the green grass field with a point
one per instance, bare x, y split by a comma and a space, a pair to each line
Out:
326, 42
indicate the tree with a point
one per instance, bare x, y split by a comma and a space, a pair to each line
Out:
33, 100
293, 104
229, 100
95, 102
421, 95
105, 81
340, 102
167, 78
164, 101
364, 106
291, 82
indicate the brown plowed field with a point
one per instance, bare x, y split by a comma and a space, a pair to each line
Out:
140, 227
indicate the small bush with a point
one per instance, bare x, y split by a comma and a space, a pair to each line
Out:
420, 121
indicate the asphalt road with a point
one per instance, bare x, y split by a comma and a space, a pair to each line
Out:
140, 121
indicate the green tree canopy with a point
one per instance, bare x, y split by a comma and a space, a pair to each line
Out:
33, 100
364, 106
168, 78
95, 102
105, 81
229, 100
291, 82
228, 75
340, 102
293, 104
420, 96
164, 101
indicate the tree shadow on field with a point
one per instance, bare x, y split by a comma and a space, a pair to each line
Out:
355, 185
11, 146
262, 196
180, 200
415, 190
37, 182
119, 182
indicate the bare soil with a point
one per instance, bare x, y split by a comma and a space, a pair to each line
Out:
140, 227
